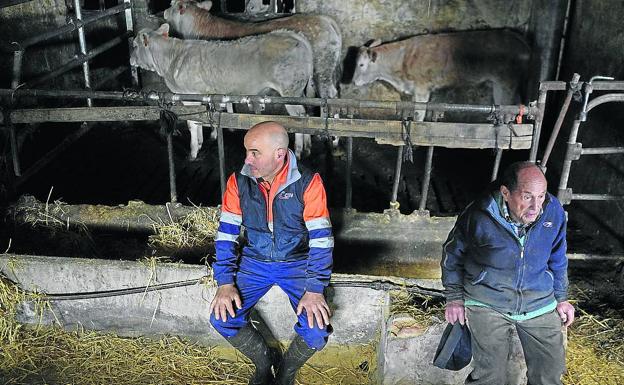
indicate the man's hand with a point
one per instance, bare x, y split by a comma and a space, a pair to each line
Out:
316, 308
454, 312
566, 312
222, 302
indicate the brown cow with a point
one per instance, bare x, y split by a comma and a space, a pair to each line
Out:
419, 65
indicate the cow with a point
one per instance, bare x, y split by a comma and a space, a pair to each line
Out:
193, 20
421, 64
280, 61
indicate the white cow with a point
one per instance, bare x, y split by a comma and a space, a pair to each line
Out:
279, 61
419, 65
193, 20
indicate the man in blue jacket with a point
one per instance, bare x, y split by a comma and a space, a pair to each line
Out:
504, 266
289, 243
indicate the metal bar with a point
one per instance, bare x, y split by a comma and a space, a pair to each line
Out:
221, 98
47, 158
497, 161
397, 174
14, 150
604, 99
426, 179
564, 109
9, 3
83, 49
537, 128
130, 28
602, 150
597, 86
18, 56
349, 193
76, 62
597, 197
567, 162
71, 26
221, 150
172, 175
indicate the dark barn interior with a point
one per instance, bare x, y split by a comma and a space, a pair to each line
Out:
55, 159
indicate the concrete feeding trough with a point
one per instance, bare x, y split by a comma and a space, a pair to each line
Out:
365, 333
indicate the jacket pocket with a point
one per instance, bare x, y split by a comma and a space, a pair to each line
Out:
480, 278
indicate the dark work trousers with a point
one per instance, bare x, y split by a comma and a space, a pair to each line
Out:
541, 339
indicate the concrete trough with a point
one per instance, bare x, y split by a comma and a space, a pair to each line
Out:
362, 322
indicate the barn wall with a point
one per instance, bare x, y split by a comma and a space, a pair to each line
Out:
595, 45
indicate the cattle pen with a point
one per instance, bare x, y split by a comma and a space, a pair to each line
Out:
135, 277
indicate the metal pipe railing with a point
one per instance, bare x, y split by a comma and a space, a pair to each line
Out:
537, 128
397, 176
216, 99
72, 64
597, 197
130, 28
82, 42
173, 193
497, 161
602, 150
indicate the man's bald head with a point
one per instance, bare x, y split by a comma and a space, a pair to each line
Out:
271, 133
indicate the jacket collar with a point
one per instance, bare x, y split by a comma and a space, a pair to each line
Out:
292, 175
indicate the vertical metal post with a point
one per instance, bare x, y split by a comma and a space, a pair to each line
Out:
397, 175
221, 150
17, 74
567, 162
83, 49
130, 27
427, 178
349, 194
537, 128
497, 160
172, 176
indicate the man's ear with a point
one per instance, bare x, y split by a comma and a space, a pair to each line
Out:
505, 192
281, 153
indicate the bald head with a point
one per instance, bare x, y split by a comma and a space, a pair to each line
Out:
271, 133
524, 189
266, 145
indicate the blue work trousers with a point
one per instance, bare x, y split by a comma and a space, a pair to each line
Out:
254, 279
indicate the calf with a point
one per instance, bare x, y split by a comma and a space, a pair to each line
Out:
420, 64
279, 61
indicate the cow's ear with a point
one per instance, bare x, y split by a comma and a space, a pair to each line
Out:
374, 43
144, 38
207, 5
163, 30
373, 56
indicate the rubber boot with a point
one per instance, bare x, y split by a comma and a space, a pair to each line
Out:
297, 354
251, 343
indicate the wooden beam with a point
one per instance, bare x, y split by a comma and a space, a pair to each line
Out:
451, 135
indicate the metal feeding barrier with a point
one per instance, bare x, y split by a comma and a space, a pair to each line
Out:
337, 115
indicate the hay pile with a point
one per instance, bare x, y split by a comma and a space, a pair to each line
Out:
197, 230
425, 310
50, 355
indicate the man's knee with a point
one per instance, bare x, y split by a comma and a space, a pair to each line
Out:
315, 338
228, 328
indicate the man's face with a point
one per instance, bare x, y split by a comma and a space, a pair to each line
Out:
262, 156
525, 202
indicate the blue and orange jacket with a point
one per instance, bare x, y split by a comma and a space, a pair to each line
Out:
285, 221
484, 260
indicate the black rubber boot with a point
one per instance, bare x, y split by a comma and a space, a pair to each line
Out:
251, 343
297, 354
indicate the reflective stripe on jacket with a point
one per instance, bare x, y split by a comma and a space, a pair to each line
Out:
288, 223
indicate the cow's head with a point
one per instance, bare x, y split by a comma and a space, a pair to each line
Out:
366, 64
181, 13
143, 46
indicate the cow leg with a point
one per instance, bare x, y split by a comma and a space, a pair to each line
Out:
300, 140
194, 128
